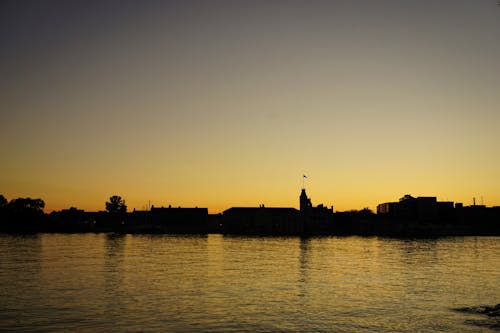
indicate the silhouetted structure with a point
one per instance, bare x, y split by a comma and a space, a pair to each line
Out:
305, 202
427, 215
410, 216
262, 220
422, 209
317, 219
71, 220
278, 220
179, 220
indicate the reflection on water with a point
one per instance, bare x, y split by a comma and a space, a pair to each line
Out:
215, 283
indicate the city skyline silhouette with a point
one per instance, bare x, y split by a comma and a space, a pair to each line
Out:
410, 216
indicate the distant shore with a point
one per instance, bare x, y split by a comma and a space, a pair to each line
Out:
410, 217
340, 225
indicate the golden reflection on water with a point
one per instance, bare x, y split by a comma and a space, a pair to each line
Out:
225, 284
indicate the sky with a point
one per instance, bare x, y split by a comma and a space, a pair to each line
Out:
229, 103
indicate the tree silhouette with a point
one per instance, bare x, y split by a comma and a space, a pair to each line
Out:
24, 213
26, 205
116, 205
3, 201
3, 206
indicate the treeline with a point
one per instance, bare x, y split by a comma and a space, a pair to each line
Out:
21, 213
26, 215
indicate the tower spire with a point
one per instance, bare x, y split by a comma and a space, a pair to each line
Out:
305, 202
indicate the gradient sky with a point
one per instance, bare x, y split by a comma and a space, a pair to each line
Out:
227, 103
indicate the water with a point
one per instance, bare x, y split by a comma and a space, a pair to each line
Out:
215, 283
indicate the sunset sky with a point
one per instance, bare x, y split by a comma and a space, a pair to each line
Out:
228, 103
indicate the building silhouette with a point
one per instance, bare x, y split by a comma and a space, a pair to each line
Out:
278, 220
179, 220
421, 209
262, 220
305, 202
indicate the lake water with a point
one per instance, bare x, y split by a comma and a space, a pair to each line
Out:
215, 283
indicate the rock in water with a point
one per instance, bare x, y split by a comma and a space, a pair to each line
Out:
493, 312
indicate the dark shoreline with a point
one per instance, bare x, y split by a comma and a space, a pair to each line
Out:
421, 217
394, 229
